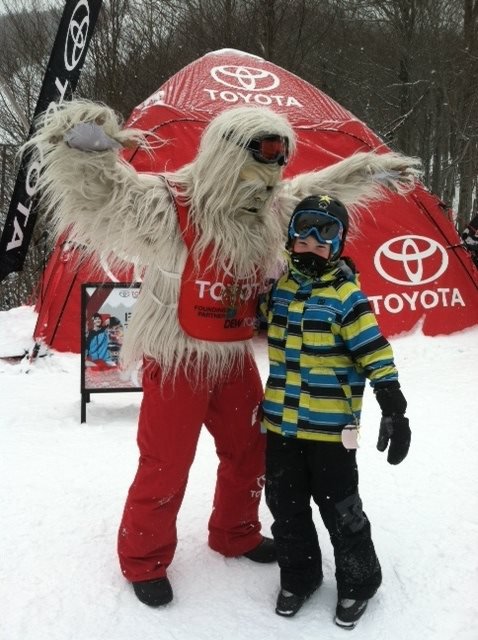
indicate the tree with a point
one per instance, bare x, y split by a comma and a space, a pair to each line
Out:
27, 35
467, 131
408, 68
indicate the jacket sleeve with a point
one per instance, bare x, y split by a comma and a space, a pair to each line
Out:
361, 334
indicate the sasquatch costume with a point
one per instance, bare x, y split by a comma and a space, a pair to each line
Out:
207, 235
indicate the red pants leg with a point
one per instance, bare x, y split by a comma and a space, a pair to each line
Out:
234, 526
169, 425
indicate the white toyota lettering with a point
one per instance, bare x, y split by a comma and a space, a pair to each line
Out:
202, 287
216, 290
61, 88
30, 185
426, 299
249, 98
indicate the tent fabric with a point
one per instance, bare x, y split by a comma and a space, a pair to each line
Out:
59, 298
408, 252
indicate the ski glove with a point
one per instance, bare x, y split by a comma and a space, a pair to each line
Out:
89, 136
394, 429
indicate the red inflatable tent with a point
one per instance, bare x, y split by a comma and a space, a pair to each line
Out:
412, 265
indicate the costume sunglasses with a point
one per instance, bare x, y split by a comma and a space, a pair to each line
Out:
268, 149
325, 228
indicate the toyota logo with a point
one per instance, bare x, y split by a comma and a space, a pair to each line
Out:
248, 78
411, 260
77, 34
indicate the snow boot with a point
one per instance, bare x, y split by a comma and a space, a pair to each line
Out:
288, 604
154, 593
349, 612
264, 552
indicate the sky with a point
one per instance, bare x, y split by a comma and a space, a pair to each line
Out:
63, 486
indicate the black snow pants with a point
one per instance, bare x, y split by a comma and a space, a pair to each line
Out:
296, 471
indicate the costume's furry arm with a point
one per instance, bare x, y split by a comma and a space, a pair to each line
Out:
356, 180
107, 205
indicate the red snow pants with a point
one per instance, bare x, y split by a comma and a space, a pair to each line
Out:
172, 413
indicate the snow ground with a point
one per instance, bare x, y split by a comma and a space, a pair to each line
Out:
63, 486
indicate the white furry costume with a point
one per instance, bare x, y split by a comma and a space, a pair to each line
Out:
239, 205
111, 207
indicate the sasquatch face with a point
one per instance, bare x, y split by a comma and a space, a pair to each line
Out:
236, 175
257, 182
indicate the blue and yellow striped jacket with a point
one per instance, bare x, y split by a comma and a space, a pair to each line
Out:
323, 342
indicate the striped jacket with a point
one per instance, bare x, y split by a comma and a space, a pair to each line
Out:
323, 342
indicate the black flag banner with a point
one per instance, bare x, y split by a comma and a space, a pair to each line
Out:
66, 61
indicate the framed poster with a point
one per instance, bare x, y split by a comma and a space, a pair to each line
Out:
105, 313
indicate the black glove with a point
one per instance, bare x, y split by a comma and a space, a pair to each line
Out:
394, 426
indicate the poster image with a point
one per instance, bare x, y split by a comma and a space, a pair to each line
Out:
105, 313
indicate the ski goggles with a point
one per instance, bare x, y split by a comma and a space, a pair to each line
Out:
325, 228
268, 149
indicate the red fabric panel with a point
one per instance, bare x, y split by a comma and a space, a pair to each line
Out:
59, 301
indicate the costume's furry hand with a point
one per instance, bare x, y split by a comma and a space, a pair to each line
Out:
84, 125
396, 172
357, 181
89, 136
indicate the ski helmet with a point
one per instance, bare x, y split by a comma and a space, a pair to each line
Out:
324, 217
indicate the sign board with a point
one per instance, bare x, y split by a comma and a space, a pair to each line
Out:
105, 314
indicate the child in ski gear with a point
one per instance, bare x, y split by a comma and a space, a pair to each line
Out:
206, 236
323, 343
